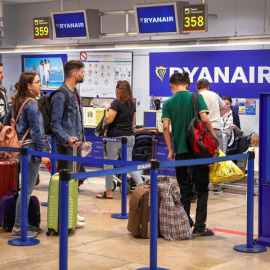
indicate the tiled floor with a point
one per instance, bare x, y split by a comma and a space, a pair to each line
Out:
105, 243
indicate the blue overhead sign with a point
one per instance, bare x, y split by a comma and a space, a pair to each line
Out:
70, 25
240, 74
154, 19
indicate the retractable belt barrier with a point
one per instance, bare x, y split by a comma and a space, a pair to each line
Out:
65, 176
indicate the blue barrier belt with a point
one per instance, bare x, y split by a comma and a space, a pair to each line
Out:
200, 161
85, 160
10, 149
110, 172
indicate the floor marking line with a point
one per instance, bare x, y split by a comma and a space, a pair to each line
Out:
231, 232
227, 209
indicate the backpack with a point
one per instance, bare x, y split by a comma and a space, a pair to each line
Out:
173, 220
8, 135
201, 141
45, 103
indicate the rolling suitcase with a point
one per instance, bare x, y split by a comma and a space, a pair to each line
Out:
9, 175
53, 203
8, 202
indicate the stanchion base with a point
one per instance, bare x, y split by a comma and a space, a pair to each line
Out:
120, 216
263, 241
28, 242
148, 268
254, 249
44, 204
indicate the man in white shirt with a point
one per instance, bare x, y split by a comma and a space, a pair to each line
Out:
40, 70
216, 108
47, 71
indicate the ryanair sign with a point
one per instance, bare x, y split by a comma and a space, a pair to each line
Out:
241, 74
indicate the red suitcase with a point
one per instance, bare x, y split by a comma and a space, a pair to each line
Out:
8, 176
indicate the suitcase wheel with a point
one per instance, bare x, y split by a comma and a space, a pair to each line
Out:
114, 185
50, 232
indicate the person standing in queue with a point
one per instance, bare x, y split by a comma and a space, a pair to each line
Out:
4, 106
30, 122
230, 125
71, 128
216, 109
178, 111
121, 116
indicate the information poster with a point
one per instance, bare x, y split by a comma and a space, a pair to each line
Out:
241, 104
250, 107
99, 113
102, 72
89, 116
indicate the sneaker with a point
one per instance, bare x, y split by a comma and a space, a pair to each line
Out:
34, 229
80, 219
79, 224
218, 191
17, 234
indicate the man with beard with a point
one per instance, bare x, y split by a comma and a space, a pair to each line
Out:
67, 123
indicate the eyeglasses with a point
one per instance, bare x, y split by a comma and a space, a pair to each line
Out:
38, 82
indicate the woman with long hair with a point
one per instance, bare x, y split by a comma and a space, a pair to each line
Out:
121, 116
30, 126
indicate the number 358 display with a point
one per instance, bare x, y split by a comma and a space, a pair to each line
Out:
42, 28
195, 18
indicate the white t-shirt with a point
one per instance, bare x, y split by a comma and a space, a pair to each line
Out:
226, 123
214, 104
47, 69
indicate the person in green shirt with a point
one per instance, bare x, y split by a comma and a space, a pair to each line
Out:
178, 111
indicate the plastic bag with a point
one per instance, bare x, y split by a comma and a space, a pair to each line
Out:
224, 171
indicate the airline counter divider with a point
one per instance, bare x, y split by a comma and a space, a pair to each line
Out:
264, 171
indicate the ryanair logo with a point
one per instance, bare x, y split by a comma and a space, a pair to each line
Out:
160, 72
157, 19
70, 25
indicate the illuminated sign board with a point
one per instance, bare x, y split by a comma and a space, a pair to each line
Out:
158, 19
195, 18
70, 25
42, 29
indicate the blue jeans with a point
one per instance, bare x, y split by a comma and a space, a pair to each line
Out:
113, 149
33, 169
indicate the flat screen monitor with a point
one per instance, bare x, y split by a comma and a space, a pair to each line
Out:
157, 19
70, 24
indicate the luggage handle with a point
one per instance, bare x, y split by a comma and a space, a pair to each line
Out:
74, 163
153, 129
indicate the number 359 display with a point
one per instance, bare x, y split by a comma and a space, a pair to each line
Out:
42, 28
195, 18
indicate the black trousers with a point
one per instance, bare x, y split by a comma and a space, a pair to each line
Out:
186, 176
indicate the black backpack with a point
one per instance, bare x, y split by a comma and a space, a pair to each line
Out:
45, 103
201, 141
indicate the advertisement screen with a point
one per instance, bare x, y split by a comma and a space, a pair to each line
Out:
157, 19
70, 25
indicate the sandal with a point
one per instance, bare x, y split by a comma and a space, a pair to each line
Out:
103, 195
206, 232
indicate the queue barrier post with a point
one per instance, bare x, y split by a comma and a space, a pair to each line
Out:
153, 217
123, 214
53, 163
24, 241
63, 222
250, 247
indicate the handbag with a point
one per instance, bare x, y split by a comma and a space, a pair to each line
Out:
8, 135
101, 128
224, 171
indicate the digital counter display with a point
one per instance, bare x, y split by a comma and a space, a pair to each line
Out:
195, 19
41, 28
